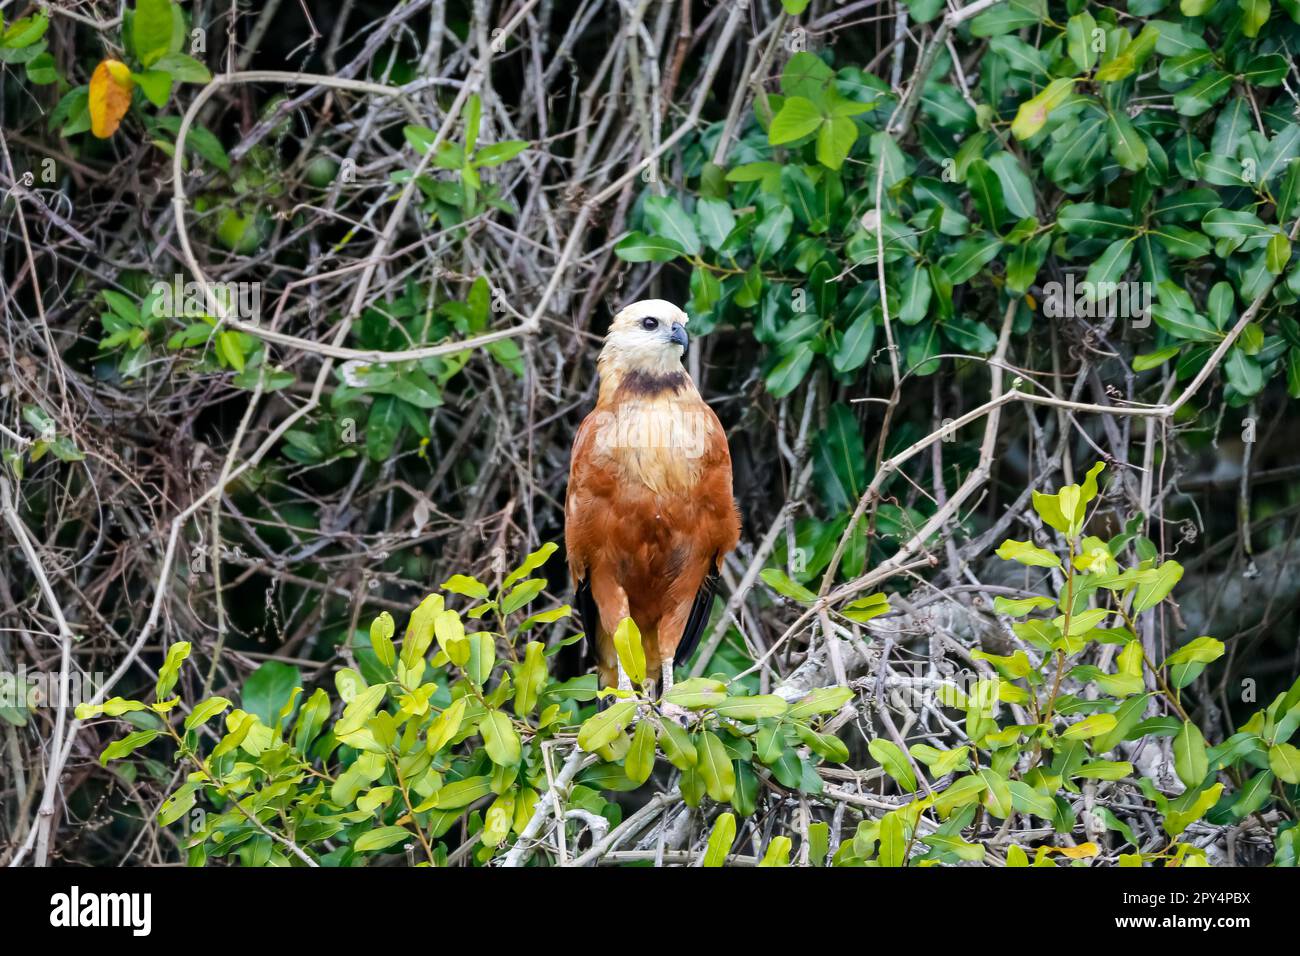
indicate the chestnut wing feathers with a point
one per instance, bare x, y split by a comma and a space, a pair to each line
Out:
617, 527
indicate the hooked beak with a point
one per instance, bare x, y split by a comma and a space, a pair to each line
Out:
679, 336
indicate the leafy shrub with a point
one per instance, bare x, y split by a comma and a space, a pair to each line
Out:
450, 731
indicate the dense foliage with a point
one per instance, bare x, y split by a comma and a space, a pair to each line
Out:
459, 739
283, 348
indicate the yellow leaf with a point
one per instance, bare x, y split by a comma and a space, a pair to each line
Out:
1033, 113
110, 95
1080, 852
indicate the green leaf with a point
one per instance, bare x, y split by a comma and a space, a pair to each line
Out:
893, 840
638, 247
1026, 552
716, 220
1284, 759
183, 69
382, 839
1189, 808
1254, 14
495, 154
997, 798
530, 564
1127, 147
1204, 93
151, 30
778, 852
986, 193
640, 760
1110, 266
855, 346
155, 84
1255, 793
464, 585
1017, 190
500, 739
892, 759
1127, 716
669, 219
789, 372
1079, 41
962, 791
127, 745
605, 726
1277, 253
797, 118
1090, 727
1203, 650
360, 710
751, 709
823, 700
530, 678
269, 689
917, 292
835, 139
780, 582
1025, 261
382, 629
24, 32
697, 693
1033, 113
721, 837
631, 653
1094, 220
178, 804
171, 668
1104, 770
1019, 607
482, 657
770, 234
447, 627
715, 766
1190, 760
864, 609
1028, 800
446, 725
462, 793
1156, 586
206, 711
382, 427
827, 746
677, 746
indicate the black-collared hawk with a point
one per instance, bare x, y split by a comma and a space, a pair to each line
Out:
649, 513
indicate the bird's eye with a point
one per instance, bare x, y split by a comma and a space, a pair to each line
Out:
649, 324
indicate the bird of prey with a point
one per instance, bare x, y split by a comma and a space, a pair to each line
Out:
649, 513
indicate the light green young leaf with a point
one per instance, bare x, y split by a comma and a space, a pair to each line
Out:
1191, 762
1026, 552
887, 754
720, 840
631, 653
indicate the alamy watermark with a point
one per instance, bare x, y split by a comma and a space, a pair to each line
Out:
24, 690
643, 425
179, 298
78, 908
1091, 300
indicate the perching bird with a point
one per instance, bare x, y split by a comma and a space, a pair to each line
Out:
649, 513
